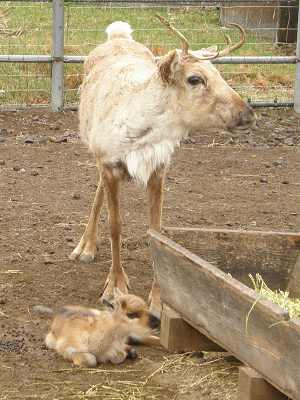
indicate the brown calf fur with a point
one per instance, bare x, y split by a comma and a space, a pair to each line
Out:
87, 336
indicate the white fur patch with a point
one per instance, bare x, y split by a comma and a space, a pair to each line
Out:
143, 162
119, 29
69, 352
136, 338
50, 341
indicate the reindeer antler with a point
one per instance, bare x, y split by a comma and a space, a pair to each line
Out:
185, 43
230, 48
182, 38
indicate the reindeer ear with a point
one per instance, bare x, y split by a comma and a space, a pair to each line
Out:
120, 305
113, 302
169, 66
119, 301
108, 303
123, 304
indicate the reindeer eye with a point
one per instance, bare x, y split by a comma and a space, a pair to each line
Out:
133, 315
196, 80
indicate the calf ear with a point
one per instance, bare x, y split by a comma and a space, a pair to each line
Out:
123, 304
169, 66
108, 303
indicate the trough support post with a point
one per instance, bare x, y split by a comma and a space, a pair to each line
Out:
294, 281
297, 82
57, 91
179, 337
293, 286
252, 386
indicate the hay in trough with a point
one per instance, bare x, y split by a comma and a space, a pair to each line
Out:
291, 305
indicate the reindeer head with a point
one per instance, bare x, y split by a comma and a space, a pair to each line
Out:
198, 93
134, 307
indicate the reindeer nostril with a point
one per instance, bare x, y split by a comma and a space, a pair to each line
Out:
154, 322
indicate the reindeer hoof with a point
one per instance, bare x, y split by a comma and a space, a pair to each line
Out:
85, 251
109, 289
121, 283
73, 256
87, 258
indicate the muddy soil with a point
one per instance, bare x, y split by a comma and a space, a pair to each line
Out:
47, 183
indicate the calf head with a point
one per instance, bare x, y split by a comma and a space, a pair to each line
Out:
135, 309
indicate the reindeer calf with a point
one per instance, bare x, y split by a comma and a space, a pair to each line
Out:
87, 336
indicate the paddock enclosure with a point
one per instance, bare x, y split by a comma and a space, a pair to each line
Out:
47, 185
227, 181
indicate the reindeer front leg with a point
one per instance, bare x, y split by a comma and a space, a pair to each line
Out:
117, 277
86, 248
155, 199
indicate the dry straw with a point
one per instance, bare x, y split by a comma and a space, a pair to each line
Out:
291, 305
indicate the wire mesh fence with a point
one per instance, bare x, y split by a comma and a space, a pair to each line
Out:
24, 83
271, 28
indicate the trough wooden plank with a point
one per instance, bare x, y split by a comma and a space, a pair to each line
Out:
217, 305
271, 254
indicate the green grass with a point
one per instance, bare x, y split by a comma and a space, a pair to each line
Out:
84, 29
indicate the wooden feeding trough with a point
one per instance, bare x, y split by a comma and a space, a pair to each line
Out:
205, 287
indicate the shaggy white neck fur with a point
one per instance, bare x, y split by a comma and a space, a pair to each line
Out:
143, 162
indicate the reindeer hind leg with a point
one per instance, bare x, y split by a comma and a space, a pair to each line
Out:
84, 359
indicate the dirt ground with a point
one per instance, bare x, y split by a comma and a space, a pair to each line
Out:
47, 183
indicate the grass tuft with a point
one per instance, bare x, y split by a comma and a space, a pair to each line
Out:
291, 305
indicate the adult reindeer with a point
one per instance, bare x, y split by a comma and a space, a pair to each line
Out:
134, 111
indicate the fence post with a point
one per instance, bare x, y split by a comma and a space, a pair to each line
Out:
57, 92
297, 82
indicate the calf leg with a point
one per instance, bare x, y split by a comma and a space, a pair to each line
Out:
155, 199
86, 248
84, 359
117, 277
50, 341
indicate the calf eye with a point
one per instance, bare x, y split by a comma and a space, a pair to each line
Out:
133, 315
196, 80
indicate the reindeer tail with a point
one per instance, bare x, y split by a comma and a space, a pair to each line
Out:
43, 310
119, 30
